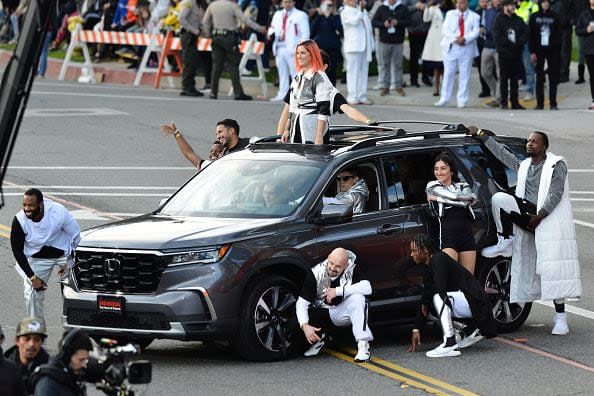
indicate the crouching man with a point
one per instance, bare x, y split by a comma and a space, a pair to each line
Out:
334, 293
454, 292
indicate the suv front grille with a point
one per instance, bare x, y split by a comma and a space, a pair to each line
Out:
118, 272
129, 320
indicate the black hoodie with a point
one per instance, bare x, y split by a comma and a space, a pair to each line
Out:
10, 383
26, 371
506, 49
540, 21
55, 379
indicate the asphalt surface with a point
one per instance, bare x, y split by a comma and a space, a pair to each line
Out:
99, 150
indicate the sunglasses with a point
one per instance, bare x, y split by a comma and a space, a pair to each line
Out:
344, 178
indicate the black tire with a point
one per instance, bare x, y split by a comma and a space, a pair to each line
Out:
268, 326
495, 276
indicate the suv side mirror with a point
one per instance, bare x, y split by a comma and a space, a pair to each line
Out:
334, 214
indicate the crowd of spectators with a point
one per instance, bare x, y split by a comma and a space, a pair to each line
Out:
357, 32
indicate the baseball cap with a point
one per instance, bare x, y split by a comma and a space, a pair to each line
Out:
31, 326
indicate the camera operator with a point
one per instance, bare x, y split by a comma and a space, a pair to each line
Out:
10, 384
28, 352
63, 375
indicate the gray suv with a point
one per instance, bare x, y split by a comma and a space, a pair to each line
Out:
224, 257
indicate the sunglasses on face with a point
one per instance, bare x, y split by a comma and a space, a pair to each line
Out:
343, 178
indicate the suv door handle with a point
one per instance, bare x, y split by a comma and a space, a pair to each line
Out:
388, 229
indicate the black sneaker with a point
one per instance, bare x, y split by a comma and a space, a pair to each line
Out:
243, 97
191, 93
212, 96
517, 106
539, 107
554, 107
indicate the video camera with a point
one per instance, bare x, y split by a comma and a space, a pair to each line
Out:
112, 369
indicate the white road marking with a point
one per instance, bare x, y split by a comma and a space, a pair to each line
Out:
96, 187
570, 308
583, 223
72, 112
580, 170
582, 199
582, 192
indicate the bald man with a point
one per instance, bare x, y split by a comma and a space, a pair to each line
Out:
334, 293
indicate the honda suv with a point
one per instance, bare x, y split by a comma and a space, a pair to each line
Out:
224, 257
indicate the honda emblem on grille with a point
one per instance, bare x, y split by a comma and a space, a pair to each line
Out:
112, 267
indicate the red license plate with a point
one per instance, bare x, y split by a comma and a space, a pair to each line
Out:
112, 304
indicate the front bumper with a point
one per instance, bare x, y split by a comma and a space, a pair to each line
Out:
183, 314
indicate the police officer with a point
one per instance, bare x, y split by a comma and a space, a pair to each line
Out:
544, 42
28, 352
190, 20
222, 19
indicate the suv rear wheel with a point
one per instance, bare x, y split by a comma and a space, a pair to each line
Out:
268, 327
495, 276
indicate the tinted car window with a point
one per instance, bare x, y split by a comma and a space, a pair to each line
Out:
407, 176
504, 176
245, 189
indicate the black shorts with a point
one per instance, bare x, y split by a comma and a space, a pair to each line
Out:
455, 230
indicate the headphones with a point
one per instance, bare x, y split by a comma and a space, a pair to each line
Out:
67, 345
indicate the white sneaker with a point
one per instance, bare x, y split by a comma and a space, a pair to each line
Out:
523, 88
503, 248
461, 105
440, 103
470, 340
277, 99
528, 96
444, 351
315, 348
560, 327
363, 354
378, 86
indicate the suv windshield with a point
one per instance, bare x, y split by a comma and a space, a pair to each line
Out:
245, 189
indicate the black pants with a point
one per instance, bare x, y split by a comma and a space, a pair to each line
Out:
509, 71
331, 71
590, 64
565, 59
520, 219
417, 42
190, 60
225, 51
551, 57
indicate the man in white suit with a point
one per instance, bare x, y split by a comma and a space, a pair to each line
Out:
357, 47
290, 26
460, 31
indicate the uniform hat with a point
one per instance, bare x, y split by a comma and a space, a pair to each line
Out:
31, 326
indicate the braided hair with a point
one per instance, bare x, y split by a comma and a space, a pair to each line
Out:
424, 241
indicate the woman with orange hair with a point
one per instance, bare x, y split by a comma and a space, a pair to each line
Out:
307, 104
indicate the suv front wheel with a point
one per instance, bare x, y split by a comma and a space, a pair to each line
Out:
495, 276
268, 329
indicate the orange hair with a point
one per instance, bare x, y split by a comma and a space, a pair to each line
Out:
314, 51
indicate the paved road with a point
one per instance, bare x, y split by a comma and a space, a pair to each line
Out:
98, 149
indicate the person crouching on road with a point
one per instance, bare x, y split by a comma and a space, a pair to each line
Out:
452, 200
454, 292
334, 293
63, 376
28, 352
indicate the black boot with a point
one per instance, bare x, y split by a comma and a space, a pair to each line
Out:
581, 69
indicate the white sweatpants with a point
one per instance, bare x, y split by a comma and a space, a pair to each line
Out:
460, 309
43, 269
460, 59
357, 68
502, 201
352, 311
285, 63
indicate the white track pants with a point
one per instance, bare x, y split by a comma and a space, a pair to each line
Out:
352, 311
357, 68
459, 59
460, 309
285, 63
43, 269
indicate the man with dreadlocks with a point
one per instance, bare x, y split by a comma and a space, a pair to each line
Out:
454, 293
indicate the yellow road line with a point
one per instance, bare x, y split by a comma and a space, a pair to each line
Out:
2, 226
4, 235
419, 376
386, 373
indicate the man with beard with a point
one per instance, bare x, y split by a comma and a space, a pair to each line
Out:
43, 235
63, 376
227, 141
545, 258
333, 293
28, 352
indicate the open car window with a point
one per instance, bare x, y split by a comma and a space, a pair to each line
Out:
244, 189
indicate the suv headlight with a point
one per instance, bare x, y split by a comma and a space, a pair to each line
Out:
201, 256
